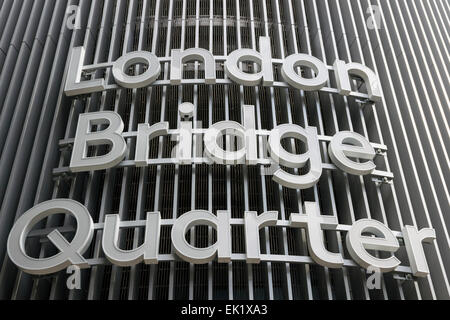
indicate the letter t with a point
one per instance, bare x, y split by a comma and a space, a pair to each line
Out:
315, 223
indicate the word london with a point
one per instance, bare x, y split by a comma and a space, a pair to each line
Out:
263, 59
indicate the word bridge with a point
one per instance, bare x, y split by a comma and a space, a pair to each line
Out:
348, 151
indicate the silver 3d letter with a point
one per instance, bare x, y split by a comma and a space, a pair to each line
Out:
413, 243
290, 160
262, 58
342, 71
222, 247
70, 253
74, 85
253, 223
85, 138
291, 76
147, 252
194, 54
248, 152
145, 135
358, 244
314, 223
121, 66
346, 145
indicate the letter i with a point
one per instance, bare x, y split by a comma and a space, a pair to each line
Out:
184, 148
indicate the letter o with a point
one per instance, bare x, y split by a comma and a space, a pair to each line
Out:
132, 82
292, 78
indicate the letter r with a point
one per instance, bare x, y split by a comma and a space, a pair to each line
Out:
80, 162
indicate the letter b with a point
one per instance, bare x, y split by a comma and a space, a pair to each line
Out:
80, 162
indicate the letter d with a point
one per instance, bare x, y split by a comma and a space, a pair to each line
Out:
80, 162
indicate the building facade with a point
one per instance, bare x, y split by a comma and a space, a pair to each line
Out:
405, 43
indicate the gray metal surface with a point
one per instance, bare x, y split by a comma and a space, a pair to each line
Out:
405, 42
